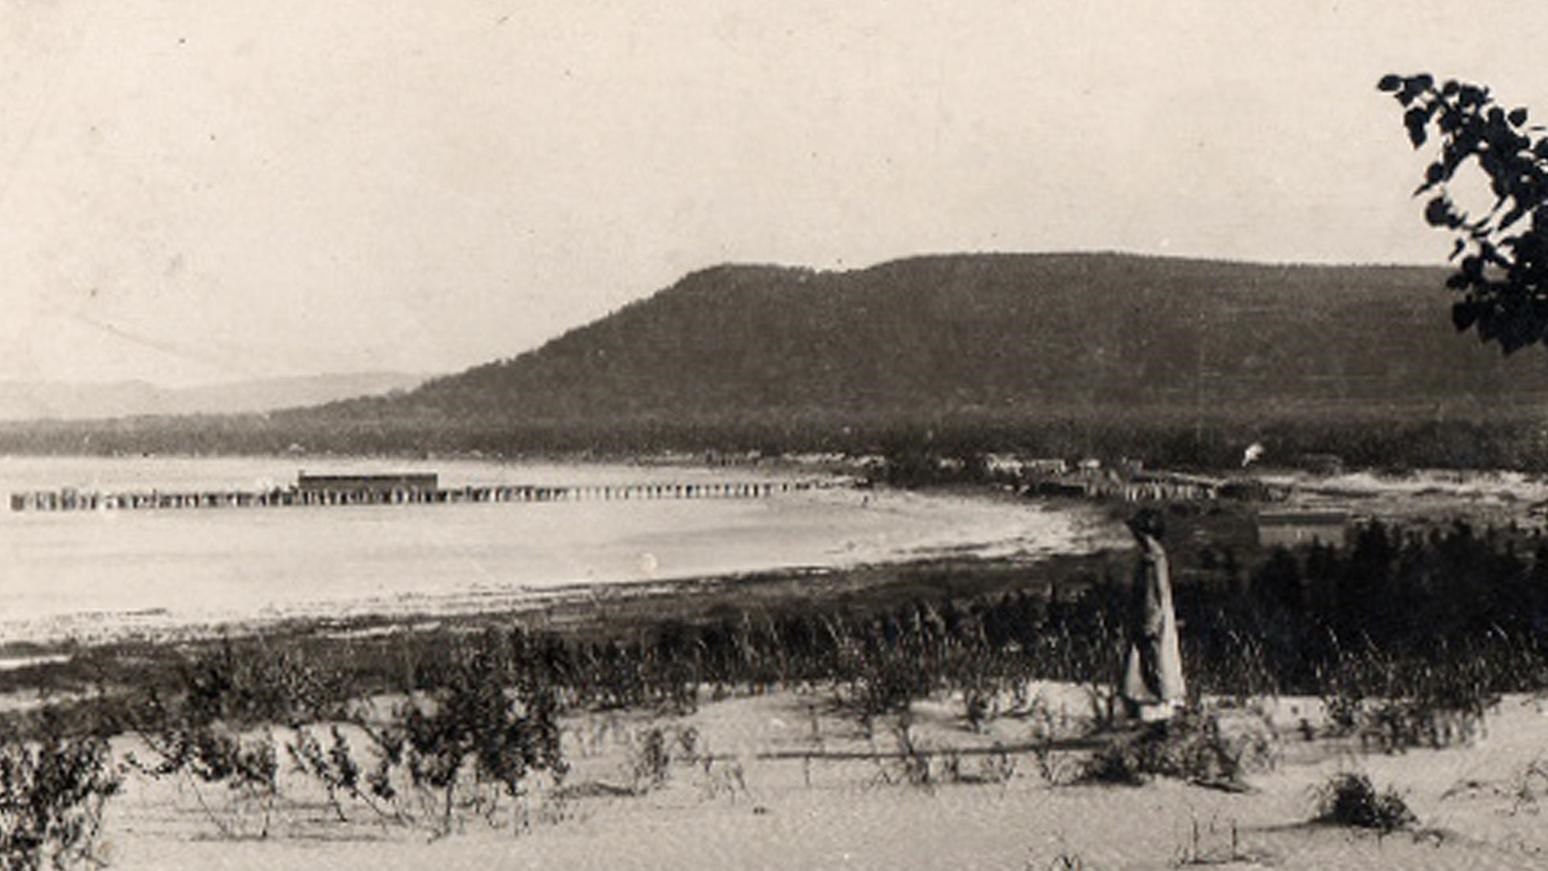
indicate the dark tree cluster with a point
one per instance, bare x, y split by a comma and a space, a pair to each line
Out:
1418, 596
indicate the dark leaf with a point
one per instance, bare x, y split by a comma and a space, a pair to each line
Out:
1438, 212
1518, 116
1513, 338
1456, 249
1390, 82
1415, 120
1464, 314
1486, 325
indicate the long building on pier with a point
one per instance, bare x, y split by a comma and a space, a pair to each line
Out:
382, 483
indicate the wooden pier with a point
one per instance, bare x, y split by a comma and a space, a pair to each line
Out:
69, 499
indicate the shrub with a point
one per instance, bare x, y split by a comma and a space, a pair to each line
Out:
651, 765
211, 753
1399, 702
1350, 799
337, 769
473, 726
654, 751
253, 684
1192, 747
196, 731
52, 790
880, 679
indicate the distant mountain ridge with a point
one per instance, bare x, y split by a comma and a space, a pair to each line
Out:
1181, 362
28, 400
1001, 333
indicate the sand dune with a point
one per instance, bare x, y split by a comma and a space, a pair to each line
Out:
827, 813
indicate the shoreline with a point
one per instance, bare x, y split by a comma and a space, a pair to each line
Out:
1073, 529
31, 666
114, 575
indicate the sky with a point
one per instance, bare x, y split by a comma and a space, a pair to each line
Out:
217, 190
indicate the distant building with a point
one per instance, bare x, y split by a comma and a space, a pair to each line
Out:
1291, 528
368, 483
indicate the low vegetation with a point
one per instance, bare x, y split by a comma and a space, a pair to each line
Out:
1350, 799
53, 785
465, 740
1191, 747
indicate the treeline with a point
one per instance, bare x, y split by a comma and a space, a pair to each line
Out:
1381, 437
1417, 595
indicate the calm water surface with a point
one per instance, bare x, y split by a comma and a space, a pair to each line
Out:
106, 572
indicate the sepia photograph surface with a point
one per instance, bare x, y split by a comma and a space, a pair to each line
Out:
713, 434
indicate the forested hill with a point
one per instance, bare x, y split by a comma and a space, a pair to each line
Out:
1002, 334
1178, 361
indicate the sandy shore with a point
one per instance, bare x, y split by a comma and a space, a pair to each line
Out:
743, 809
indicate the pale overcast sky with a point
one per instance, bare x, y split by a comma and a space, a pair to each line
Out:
213, 190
